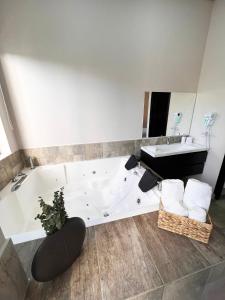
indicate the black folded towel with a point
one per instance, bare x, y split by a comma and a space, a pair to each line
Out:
131, 163
148, 181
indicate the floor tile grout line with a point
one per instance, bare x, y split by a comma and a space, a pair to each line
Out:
185, 276
176, 280
201, 252
198, 271
153, 261
97, 254
146, 292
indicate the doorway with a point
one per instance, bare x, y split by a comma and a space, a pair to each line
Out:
159, 111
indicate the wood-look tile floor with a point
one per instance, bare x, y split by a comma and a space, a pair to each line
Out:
133, 259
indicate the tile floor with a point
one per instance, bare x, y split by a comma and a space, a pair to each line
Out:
134, 259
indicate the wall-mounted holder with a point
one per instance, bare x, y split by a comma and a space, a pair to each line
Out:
177, 121
209, 120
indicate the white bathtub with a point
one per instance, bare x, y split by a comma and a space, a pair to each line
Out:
98, 191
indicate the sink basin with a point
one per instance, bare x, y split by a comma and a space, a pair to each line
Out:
172, 149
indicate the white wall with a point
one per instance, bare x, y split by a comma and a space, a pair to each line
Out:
211, 93
8, 142
77, 69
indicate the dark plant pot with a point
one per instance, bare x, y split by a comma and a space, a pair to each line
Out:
59, 250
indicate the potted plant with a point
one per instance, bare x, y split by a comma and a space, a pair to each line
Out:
64, 241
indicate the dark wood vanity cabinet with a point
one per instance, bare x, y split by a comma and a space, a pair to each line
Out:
176, 166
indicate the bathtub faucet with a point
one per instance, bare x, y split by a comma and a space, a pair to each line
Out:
31, 162
18, 183
15, 178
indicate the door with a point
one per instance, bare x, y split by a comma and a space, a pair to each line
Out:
160, 103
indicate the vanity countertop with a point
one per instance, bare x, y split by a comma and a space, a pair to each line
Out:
173, 149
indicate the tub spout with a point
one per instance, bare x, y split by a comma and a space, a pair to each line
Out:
31, 162
15, 178
18, 183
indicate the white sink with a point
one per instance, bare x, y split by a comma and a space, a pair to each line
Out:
172, 149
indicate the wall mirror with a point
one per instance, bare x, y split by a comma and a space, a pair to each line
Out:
167, 113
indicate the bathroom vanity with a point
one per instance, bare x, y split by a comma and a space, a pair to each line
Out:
175, 160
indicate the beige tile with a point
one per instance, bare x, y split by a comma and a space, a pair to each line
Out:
9, 167
216, 272
85, 276
42, 156
120, 148
40, 291
34, 153
150, 141
137, 147
56, 155
4, 177
187, 288
174, 255
2, 238
125, 264
214, 251
60, 154
25, 252
215, 285
78, 152
80, 281
13, 283
156, 294
93, 151
127, 259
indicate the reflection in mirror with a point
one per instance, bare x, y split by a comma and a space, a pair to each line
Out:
145, 115
167, 113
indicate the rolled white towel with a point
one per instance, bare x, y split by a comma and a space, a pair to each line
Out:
172, 192
198, 214
197, 193
178, 209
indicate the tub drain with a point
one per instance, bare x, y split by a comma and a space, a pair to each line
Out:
106, 214
138, 201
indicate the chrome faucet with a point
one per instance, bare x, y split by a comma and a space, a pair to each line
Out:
167, 140
31, 162
15, 178
18, 183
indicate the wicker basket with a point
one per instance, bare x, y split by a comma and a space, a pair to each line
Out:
182, 225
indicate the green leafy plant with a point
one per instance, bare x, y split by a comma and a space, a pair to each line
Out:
53, 217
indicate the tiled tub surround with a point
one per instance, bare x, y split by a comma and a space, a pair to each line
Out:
10, 166
14, 163
59, 154
13, 283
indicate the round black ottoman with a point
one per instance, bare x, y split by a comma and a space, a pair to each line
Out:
59, 250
